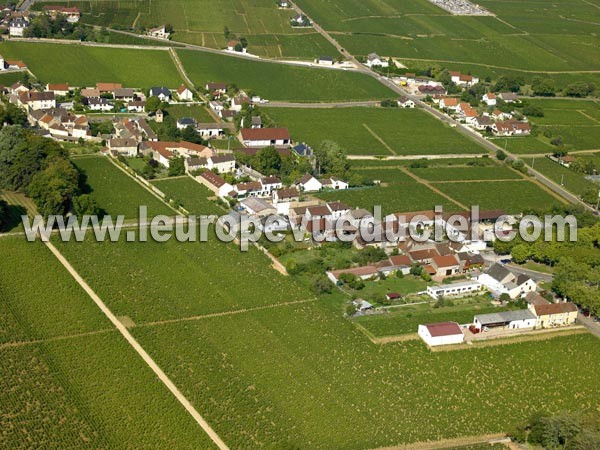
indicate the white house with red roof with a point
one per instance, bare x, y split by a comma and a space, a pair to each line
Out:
184, 94
264, 137
441, 333
489, 99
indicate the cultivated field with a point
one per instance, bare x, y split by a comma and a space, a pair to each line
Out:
190, 194
572, 181
281, 82
374, 131
201, 22
537, 36
67, 379
115, 192
85, 66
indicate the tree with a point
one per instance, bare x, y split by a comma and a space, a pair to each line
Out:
579, 89
53, 189
321, 285
3, 213
534, 111
176, 166
331, 159
543, 87
501, 155
152, 104
267, 161
85, 204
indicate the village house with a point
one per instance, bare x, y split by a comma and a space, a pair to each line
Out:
445, 266
18, 88
373, 59
123, 147
554, 314
184, 93
216, 106
163, 93
124, 94
71, 13
256, 122
17, 27
489, 99
37, 100
184, 122
159, 32
308, 183
99, 104
221, 88
264, 137
90, 93
137, 106
283, 3
442, 333
216, 184
257, 206
405, 102
432, 90
508, 97
499, 280
59, 89
338, 209
333, 183
482, 123
221, 163
449, 103
454, 289
238, 102
211, 130
108, 88
463, 80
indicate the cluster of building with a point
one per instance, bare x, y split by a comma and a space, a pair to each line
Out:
497, 122
6, 64
539, 314
16, 22
228, 107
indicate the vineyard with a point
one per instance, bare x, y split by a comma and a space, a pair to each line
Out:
68, 380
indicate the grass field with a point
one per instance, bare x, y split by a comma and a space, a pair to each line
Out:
374, 131
6, 79
201, 22
406, 319
190, 194
63, 389
115, 192
85, 66
492, 172
196, 111
281, 82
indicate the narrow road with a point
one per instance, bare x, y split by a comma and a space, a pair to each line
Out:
590, 324
140, 351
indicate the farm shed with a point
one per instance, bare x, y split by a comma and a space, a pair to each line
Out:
454, 289
442, 333
522, 318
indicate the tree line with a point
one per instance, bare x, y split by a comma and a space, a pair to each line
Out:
40, 168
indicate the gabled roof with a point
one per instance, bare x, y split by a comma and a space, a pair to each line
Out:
265, 134
498, 272
287, 193
182, 89
270, 180
58, 87
554, 308
222, 159
213, 178
186, 121
156, 91
319, 210
305, 178
108, 87
337, 206
443, 329
445, 261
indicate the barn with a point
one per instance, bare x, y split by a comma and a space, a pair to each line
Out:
442, 333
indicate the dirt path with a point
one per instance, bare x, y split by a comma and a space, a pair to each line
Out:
140, 351
379, 139
446, 443
225, 313
54, 338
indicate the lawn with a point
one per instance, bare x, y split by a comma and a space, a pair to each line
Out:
196, 111
73, 390
202, 22
405, 319
281, 82
376, 290
6, 79
85, 66
192, 195
374, 131
512, 196
115, 192
152, 281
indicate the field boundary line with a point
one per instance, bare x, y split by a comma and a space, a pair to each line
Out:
162, 376
65, 337
433, 188
224, 313
446, 443
376, 136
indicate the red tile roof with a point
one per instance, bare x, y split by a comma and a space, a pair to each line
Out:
555, 308
265, 134
443, 329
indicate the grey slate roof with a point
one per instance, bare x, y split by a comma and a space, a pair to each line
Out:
505, 316
498, 272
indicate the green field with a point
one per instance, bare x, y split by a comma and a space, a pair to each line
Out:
512, 196
492, 172
572, 181
85, 66
407, 318
537, 36
201, 22
374, 131
63, 389
6, 79
281, 82
115, 192
192, 195
196, 111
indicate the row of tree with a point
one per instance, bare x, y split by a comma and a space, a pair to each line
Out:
565, 431
39, 167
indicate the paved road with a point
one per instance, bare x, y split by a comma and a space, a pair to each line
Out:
590, 324
534, 274
140, 350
